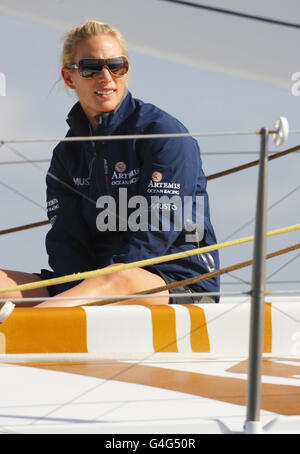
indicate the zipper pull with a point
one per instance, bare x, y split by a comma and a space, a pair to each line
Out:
105, 167
91, 165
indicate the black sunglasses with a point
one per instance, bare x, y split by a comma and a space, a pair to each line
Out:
92, 67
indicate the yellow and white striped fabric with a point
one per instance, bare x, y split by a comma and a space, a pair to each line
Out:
219, 328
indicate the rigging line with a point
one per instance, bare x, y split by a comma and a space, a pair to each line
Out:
126, 369
202, 277
22, 195
131, 366
18, 153
235, 13
71, 188
142, 295
284, 313
116, 375
132, 137
269, 209
146, 262
24, 157
283, 266
38, 224
122, 297
203, 153
2, 163
13, 230
24, 227
267, 282
66, 185
252, 164
253, 219
272, 155
54, 177
211, 177
241, 280
163, 240
238, 153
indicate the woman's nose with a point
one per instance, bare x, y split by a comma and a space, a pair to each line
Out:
105, 74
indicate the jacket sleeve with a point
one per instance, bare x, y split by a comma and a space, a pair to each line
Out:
171, 177
67, 242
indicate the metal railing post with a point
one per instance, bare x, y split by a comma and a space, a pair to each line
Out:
253, 424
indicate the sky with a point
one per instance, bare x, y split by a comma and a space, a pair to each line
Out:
36, 105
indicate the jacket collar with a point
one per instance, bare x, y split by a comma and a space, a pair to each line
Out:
80, 126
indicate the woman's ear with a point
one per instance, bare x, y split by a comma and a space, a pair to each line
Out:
68, 78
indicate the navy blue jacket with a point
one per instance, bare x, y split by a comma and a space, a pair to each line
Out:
121, 169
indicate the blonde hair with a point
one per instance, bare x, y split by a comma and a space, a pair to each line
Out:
85, 31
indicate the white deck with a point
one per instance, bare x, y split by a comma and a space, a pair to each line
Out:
127, 391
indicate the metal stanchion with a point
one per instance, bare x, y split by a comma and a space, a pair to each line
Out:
253, 424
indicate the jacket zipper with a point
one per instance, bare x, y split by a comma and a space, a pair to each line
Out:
91, 165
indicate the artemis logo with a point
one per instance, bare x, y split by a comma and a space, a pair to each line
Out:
2, 85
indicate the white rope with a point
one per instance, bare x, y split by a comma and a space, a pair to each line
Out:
238, 153
126, 297
203, 153
267, 282
122, 297
129, 137
34, 161
131, 357
136, 136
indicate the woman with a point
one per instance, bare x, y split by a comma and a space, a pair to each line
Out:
94, 186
